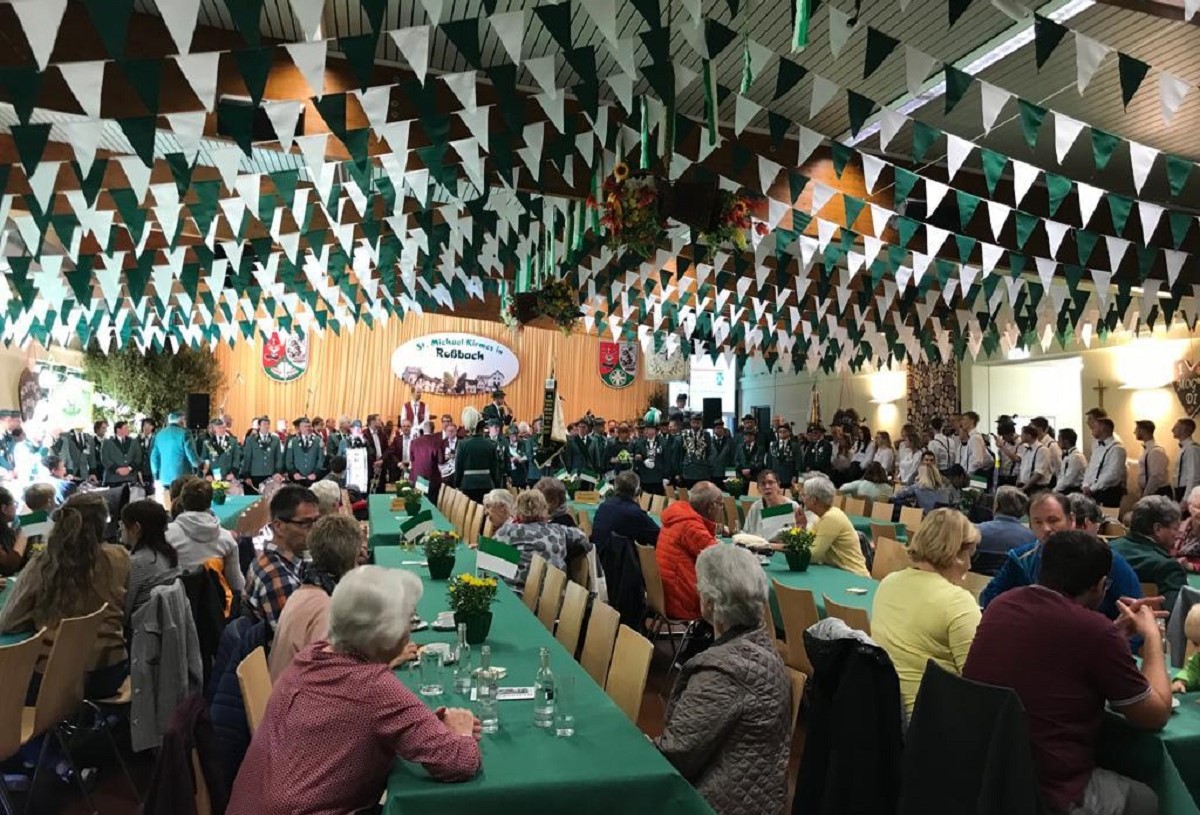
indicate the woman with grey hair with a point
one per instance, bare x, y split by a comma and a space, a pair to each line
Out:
499, 506
556, 500
1187, 546
729, 723
533, 532
334, 545
1153, 530
837, 541
338, 717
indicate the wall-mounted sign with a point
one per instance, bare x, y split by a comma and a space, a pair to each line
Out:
618, 363
1187, 385
285, 356
455, 364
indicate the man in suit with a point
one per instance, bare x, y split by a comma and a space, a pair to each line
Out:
696, 453
399, 452
613, 459
262, 456
415, 413
77, 454
145, 441
649, 459
576, 455
304, 458
476, 464
120, 457
724, 452
377, 443
750, 457
99, 436
220, 452
502, 457
173, 453
498, 410
817, 454
427, 454
337, 438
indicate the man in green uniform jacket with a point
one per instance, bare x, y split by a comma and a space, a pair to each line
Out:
498, 410
220, 452
262, 457
576, 454
503, 459
305, 457
695, 453
121, 457
783, 456
750, 457
724, 453
76, 453
335, 445
476, 463
650, 459
818, 453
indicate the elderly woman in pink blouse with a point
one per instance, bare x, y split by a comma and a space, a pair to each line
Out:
338, 717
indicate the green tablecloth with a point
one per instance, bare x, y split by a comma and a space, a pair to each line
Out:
1193, 580
385, 524
820, 580
1169, 761
607, 767
229, 512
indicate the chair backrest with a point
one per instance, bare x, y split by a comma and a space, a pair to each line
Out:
855, 505
654, 587
579, 571
599, 641
975, 583
797, 682
585, 522
644, 500
732, 518
488, 529
551, 598
752, 490
882, 530
911, 517
61, 691
657, 504
627, 674
476, 523
1111, 512
839, 501
798, 608
16, 666
253, 518
1149, 589
890, 556
570, 617
254, 678
533, 582
856, 618
200, 784
669, 492
882, 511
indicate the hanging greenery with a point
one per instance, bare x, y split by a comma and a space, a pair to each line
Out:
630, 211
732, 223
153, 383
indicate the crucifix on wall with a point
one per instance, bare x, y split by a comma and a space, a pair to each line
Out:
1100, 389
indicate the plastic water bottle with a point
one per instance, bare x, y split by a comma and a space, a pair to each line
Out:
462, 664
543, 693
485, 693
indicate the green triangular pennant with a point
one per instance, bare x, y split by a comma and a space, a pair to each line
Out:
360, 53
789, 77
181, 171
1103, 146
556, 17
957, 83
923, 138
854, 206
1026, 223
840, 154
879, 47
905, 182
1059, 187
966, 245
254, 64
464, 34
22, 83
1032, 117
650, 11
1178, 170
967, 204
245, 15
332, 107
111, 19
91, 185
1180, 222
717, 37
957, 9
1132, 71
237, 119
1085, 242
1047, 34
993, 168
30, 141
861, 108
1119, 207
375, 10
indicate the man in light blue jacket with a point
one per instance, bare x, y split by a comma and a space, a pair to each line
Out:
173, 453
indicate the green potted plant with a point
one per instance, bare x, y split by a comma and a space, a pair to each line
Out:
571, 482
797, 547
220, 489
439, 552
411, 497
471, 601
735, 486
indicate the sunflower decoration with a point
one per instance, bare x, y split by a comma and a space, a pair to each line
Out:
733, 222
629, 210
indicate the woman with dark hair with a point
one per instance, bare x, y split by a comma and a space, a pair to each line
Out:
74, 576
152, 561
12, 542
862, 452
874, 484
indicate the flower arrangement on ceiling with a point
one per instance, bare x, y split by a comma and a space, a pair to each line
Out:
732, 222
556, 300
630, 210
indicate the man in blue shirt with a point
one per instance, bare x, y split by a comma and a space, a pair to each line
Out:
621, 515
1049, 512
1005, 532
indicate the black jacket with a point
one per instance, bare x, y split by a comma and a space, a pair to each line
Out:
852, 752
173, 786
968, 750
226, 706
624, 581
624, 517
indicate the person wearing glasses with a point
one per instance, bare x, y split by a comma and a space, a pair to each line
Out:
275, 573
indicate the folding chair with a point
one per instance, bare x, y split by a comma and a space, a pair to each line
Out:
626, 681
798, 608
599, 641
855, 506
890, 556
254, 678
856, 618
656, 600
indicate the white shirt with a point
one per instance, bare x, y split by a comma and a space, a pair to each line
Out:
1054, 451
944, 449
973, 456
1152, 468
863, 455
1107, 466
907, 462
1035, 465
1070, 474
1187, 469
886, 457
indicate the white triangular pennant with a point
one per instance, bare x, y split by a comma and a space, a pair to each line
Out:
603, 14
768, 171
179, 16
823, 92
839, 30
1055, 231
997, 216
1175, 261
743, 113
544, 71
1089, 54
308, 15
917, 66
84, 80
1066, 131
227, 161
374, 102
309, 59
40, 19
890, 123
872, 167
622, 85
510, 30
1117, 247
1150, 215
810, 140
434, 9
994, 100
957, 151
138, 175
1089, 197
1171, 92
1023, 177
1141, 160
284, 115
84, 137
935, 191
200, 71
463, 86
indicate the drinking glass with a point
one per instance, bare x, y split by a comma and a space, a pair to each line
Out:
485, 700
564, 707
431, 670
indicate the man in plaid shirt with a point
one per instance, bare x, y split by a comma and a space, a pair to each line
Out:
275, 573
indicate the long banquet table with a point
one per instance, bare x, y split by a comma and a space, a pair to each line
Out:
607, 766
385, 523
229, 512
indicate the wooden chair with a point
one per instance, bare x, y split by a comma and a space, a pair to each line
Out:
752, 490
856, 618
345, 508
579, 571
533, 582
644, 500
254, 678
570, 618
627, 675
669, 492
882, 530
798, 608
890, 556
798, 681
200, 784
1113, 529
732, 518
882, 511
975, 583
585, 522
657, 504
551, 597
599, 641
16, 666
911, 517
656, 600
1111, 512
839, 501
855, 506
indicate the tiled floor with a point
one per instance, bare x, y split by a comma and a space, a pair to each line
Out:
113, 796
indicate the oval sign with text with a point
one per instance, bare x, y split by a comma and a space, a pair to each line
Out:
455, 364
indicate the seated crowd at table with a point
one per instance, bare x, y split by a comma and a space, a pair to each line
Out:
1059, 621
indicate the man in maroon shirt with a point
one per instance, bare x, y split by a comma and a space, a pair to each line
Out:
1065, 660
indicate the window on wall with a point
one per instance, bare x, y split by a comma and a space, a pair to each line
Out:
709, 380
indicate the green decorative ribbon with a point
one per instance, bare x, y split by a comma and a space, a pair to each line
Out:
710, 102
800, 32
645, 162
747, 71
